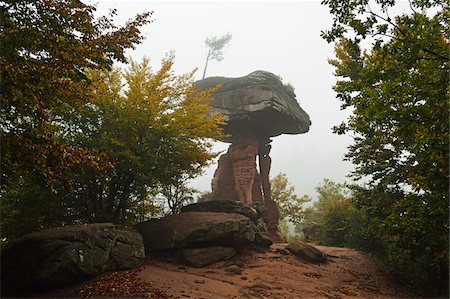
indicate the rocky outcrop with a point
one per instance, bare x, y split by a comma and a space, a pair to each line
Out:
307, 252
225, 206
223, 182
197, 229
206, 232
237, 178
262, 238
257, 103
199, 257
255, 108
273, 216
63, 256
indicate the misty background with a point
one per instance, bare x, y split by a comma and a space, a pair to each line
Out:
279, 37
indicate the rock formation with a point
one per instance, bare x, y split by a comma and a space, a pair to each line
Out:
196, 230
255, 107
62, 256
223, 206
206, 232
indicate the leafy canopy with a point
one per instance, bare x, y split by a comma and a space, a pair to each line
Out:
333, 214
289, 204
47, 46
156, 131
398, 91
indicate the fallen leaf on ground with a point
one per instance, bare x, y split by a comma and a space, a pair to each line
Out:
121, 284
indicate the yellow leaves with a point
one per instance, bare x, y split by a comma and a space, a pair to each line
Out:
154, 122
172, 99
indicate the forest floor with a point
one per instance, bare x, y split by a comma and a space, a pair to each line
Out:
272, 274
348, 274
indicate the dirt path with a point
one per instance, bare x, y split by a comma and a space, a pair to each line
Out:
349, 274
273, 274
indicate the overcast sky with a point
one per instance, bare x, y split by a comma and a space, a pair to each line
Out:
279, 37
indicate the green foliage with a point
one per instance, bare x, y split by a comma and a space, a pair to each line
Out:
288, 232
215, 45
175, 196
399, 94
283, 227
336, 219
46, 48
204, 196
155, 130
289, 204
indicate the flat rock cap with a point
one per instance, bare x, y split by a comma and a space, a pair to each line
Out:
257, 104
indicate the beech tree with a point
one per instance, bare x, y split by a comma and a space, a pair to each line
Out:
398, 90
47, 45
156, 129
214, 46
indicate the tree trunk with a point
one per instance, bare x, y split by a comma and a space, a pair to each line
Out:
206, 64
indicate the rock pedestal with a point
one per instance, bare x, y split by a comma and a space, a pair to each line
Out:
237, 177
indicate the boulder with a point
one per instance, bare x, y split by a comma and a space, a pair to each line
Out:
307, 252
197, 229
263, 240
258, 103
199, 257
66, 255
225, 206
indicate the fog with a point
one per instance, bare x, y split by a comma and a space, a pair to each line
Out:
279, 37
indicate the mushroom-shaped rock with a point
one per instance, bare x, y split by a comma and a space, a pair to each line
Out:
258, 104
255, 108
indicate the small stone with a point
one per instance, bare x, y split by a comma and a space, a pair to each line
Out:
233, 269
237, 262
199, 257
201, 281
244, 278
283, 251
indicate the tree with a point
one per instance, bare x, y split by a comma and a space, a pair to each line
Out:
289, 204
47, 46
334, 218
154, 128
158, 132
215, 47
175, 196
398, 90
204, 196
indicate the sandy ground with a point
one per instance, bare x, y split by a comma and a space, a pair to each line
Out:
273, 274
348, 274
